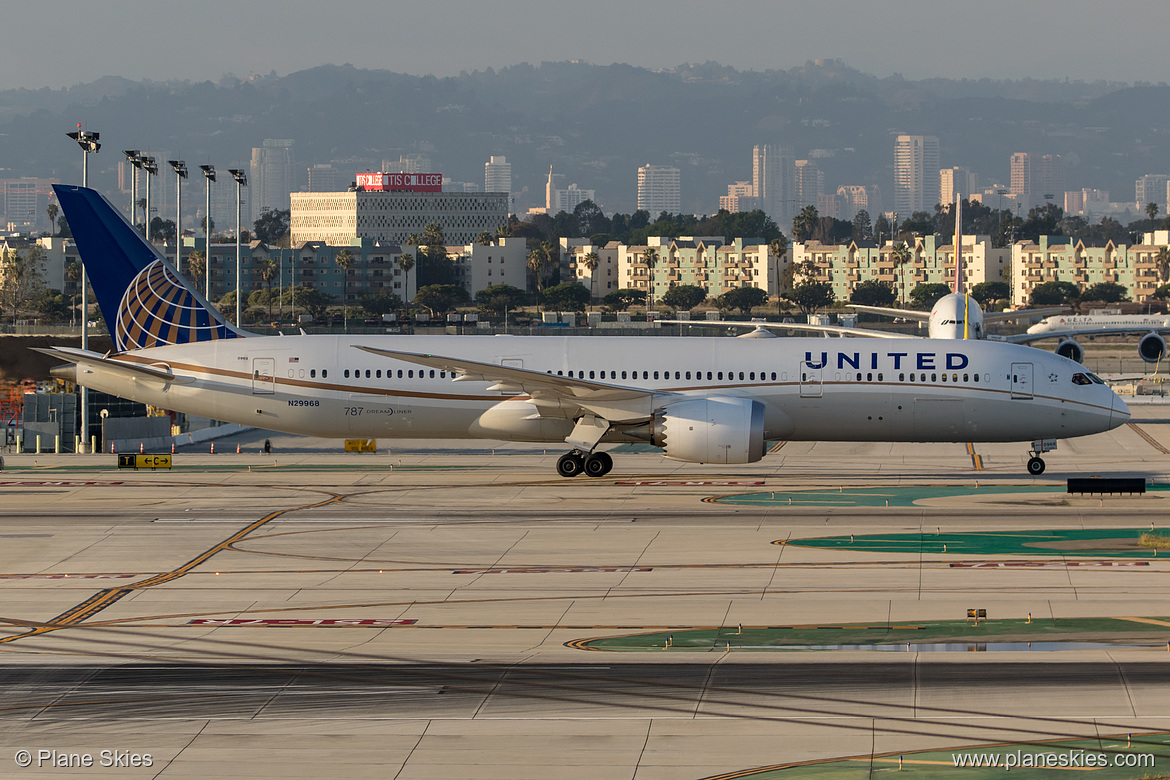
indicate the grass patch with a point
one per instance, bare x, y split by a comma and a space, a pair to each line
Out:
1154, 541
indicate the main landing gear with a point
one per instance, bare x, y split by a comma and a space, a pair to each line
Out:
1035, 462
595, 464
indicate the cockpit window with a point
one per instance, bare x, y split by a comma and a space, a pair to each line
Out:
1081, 379
1096, 379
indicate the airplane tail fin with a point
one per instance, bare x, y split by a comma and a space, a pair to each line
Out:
144, 300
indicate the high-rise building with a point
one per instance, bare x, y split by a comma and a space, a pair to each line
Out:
956, 181
658, 189
1022, 189
497, 175
1050, 179
558, 198
916, 169
324, 177
740, 196
272, 176
810, 183
1151, 188
774, 179
25, 202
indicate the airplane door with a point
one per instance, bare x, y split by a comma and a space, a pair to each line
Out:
1022, 381
512, 363
263, 376
810, 381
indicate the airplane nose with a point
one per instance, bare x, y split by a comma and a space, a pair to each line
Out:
1120, 411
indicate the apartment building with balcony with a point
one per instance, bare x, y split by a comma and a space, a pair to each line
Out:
844, 266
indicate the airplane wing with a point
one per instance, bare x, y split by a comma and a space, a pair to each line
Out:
1000, 316
1028, 338
553, 395
828, 330
906, 314
129, 370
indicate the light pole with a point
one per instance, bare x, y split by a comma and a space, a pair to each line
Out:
88, 141
241, 182
209, 174
151, 167
132, 158
180, 168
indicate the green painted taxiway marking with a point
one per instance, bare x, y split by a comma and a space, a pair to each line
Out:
1109, 757
1152, 631
1071, 542
887, 496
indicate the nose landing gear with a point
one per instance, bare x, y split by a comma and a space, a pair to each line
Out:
595, 464
1035, 462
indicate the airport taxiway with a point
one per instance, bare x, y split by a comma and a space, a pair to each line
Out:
411, 614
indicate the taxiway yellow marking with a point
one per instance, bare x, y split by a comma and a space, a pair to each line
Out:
1149, 439
1151, 621
104, 598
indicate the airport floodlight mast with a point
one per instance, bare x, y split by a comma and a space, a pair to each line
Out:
241, 182
209, 174
132, 158
151, 167
180, 168
88, 141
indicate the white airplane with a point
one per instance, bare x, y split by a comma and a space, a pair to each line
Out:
702, 400
1151, 346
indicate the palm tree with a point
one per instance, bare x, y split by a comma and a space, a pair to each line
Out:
779, 247
538, 263
484, 239
650, 258
197, 267
591, 260
73, 274
344, 260
1162, 261
802, 224
268, 272
52, 211
900, 254
406, 262
1152, 210
433, 234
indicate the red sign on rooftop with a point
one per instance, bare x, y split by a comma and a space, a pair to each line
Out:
411, 182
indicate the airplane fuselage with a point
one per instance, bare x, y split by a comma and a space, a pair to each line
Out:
1089, 322
811, 388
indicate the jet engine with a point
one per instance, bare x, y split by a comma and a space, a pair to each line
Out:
712, 430
1072, 350
1152, 347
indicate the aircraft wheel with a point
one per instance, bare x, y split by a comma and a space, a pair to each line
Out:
570, 464
598, 464
1035, 466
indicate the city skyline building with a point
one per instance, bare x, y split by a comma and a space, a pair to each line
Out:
956, 181
271, 177
916, 180
325, 177
774, 181
659, 189
1050, 179
1152, 188
1021, 179
497, 175
810, 183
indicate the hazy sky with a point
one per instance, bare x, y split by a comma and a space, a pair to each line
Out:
66, 42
